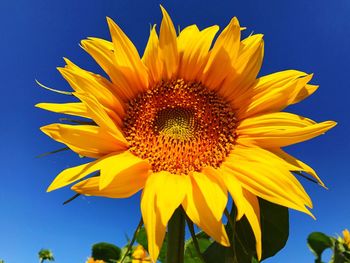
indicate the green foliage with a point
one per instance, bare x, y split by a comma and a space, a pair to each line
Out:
274, 227
128, 256
191, 253
318, 242
275, 230
106, 252
341, 253
45, 254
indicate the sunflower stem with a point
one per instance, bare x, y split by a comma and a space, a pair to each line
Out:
176, 237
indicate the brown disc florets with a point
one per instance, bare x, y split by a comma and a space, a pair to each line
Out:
180, 127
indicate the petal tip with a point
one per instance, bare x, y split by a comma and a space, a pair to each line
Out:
51, 187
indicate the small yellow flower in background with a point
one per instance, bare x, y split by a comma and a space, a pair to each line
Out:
188, 123
346, 238
140, 255
92, 260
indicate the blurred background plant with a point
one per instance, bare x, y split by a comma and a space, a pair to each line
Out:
318, 242
45, 254
201, 249
109, 253
104, 253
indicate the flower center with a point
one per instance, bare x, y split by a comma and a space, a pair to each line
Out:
177, 123
180, 127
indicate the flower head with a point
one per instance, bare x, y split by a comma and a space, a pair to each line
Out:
140, 255
346, 238
92, 260
187, 123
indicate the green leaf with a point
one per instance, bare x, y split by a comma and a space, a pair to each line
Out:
218, 254
106, 252
191, 254
318, 242
275, 227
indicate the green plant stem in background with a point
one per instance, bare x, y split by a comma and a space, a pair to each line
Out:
176, 237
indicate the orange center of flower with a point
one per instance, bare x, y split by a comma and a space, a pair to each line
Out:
180, 127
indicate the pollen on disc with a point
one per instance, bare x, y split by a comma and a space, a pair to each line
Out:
180, 127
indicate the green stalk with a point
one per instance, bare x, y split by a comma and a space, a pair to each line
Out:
176, 237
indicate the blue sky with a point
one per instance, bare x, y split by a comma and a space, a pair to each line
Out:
312, 36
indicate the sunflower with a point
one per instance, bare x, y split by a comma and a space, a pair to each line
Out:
186, 123
92, 260
140, 255
346, 238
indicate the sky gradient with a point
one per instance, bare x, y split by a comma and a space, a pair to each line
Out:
312, 36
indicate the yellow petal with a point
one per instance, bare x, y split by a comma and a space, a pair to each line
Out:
223, 56
152, 57
107, 60
100, 116
193, 48
87, 140
102, 51
118, 174
235, 189
104, 57
245, 202
73, 174
275, 82
76, 173
282, 119
266, 157
265, 175
220, 67
123, 164
74, 108
185, 37
201, 214
252, 213
229, 40
213, 190
127, 57
124, 185
85, 82
118, 75
303, 93
246, 67
106, 45
163, 193
280, 129
168, 46
275, 92
298, 164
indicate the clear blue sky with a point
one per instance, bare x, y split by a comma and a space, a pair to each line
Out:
312, 36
